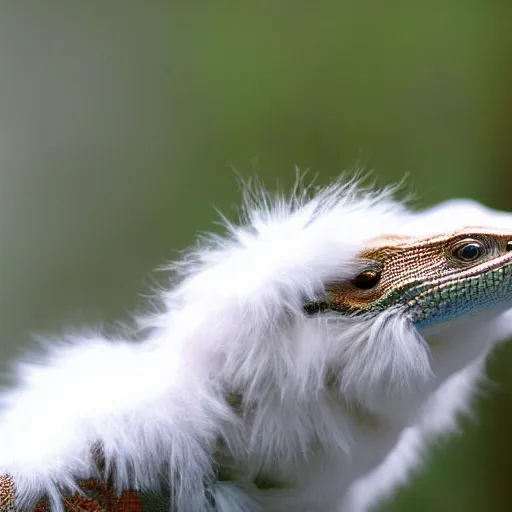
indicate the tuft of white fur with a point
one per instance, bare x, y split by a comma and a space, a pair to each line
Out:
320, 400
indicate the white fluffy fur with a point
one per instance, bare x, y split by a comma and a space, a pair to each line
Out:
233, 324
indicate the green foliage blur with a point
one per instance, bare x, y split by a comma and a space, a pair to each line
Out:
121, 125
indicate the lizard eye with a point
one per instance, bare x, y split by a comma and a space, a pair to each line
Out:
366, 280
468, 251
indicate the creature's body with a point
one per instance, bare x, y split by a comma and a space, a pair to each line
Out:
290, 358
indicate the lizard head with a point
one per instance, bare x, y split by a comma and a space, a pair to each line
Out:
431, 279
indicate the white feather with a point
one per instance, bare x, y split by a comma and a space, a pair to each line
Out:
233, 324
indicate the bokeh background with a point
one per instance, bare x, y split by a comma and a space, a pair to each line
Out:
121, 124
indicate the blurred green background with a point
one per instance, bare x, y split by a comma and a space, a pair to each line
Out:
121, 123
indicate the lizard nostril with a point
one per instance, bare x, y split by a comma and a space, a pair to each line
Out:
509, 246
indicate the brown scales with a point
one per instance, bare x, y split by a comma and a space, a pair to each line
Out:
394, 263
